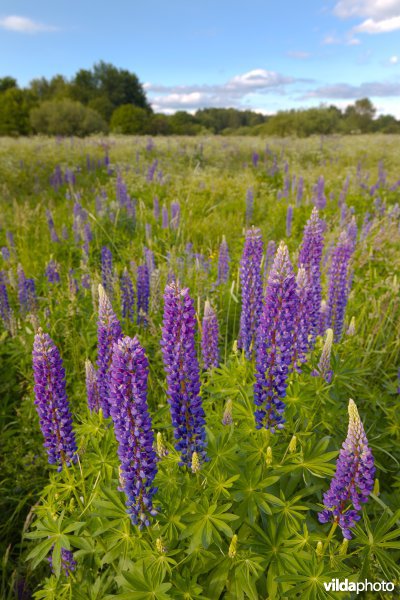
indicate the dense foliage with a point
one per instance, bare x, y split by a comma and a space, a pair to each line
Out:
189, 452
113, 99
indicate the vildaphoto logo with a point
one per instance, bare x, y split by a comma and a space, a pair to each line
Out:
358, 586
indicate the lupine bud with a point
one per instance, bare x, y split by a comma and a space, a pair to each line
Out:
274, 343
51, 402
160, 445
339, 287
354, 478
209, 338
227, 418
376, 489
268, 457
352, 327
108, 332
251, 282
160, 546
319, 551
195, 463
324, 366
292, 445
182, 368
92, 388
233, 547
132, 424
223, 262
310, 258
235, 347
343, 547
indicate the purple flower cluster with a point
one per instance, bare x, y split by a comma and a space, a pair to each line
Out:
108, 332
132, 425
52, 272
339, 285
354, 478
107, 270
274, 343
209, 338
319, 191
251, 282
26, 292
310, 258
175, 215
68, 563
52, 403
5, 310
301, 326
53, 234
127, 296
143, 294
223, 262
182, 369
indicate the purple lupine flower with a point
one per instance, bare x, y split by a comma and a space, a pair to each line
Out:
164, 217
121, 191
209, 338
31, 298
127, 296
92, 387
255, 158
353, 481
68, 563
151, 170
142, 294
26, 292
366, 226
108, 332
352, 231
5, 310
301, 327
52, 403
323, 313
107, 278
289, 220
182, 368
339, 285
343, 214
249, 205
223, 262
53, 234
156, 208
5, 253
10, 239
274, 343
343, 193
324, 366
175, 215
52, 272
319, 191
251, 282
85, 281
132, 425
149, 258
73, 284
269, 256
310, 258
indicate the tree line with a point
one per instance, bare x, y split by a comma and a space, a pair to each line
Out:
107, 99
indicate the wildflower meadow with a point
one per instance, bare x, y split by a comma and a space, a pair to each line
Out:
199, 368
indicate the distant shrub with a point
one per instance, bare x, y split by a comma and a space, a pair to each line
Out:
130, 120
66, 117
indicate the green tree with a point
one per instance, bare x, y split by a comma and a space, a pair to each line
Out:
15, 105
7, 83
66, 117
130, 120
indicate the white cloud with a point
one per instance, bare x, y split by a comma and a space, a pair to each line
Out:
234, 93
377, 89
24, 25
380, 16
393, 60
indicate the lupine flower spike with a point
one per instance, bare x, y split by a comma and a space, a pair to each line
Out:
132, 424
182, 368
92, 388
274, 344
324, 366
353, 481
209, 338
52, 403
108, 332
251, 282
339, 284
223, 262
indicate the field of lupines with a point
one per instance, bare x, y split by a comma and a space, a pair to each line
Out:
199, 367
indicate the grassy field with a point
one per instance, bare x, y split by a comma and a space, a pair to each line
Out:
65, 200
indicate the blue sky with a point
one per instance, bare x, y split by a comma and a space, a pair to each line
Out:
260, 54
